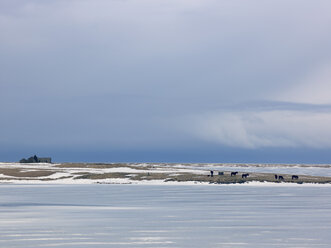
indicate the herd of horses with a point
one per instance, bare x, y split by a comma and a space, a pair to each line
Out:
294, 177
245, 175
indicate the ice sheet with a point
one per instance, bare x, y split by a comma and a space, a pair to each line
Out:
69, 216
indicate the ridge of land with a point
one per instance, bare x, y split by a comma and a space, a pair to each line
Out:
135, 173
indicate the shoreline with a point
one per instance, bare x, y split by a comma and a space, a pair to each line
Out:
157, 183
146, 173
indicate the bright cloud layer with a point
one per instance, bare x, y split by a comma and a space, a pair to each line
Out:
278, 128
314, 88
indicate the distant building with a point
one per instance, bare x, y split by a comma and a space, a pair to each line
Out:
35, 159
44, 160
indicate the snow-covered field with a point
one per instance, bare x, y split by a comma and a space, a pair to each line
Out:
71, 216
70, 175
323, 170
67, 175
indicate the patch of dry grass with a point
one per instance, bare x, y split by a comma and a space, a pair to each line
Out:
16, 172
98, 166
224, 179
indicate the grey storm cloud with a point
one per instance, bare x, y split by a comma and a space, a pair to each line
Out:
157, 73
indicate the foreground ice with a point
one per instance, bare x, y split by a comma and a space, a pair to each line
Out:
137, 216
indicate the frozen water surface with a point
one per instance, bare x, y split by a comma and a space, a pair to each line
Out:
164, 216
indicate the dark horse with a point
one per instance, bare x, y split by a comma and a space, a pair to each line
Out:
244, 175
211, 173
276, 177
234, 173
280, 177
295, 177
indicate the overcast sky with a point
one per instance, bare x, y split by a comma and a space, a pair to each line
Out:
166, 80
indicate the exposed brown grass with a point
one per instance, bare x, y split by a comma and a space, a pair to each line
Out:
224, 179
16, 172
97, 166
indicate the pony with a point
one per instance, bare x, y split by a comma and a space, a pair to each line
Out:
244, 175
234, 173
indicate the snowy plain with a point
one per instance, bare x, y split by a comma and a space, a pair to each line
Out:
67, 175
